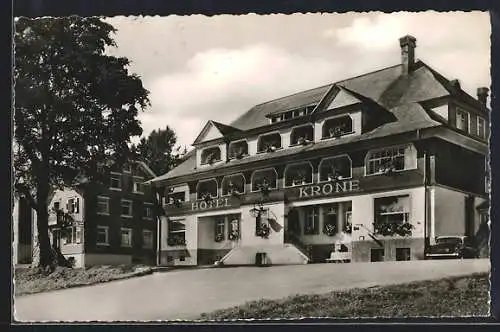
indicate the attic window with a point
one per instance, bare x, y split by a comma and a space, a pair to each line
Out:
335, 168
269, 143
336, 127
238, 150
210, 155
302, 135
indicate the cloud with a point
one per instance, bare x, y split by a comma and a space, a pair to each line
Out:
219, 84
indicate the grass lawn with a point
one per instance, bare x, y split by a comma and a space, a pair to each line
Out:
30, 280
457, 296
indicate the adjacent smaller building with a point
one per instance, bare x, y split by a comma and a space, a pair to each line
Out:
110, 223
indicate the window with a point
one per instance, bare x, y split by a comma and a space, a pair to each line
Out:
238, 150
391, 159
210, 155
127, 168
147, 239
302, 135
103, 205
138, 187
403, 254
330, 219
115, 181
391, 212
220, 229
312, 220
148, 211
377, 255
269, 143
176, 233
74, 235
335, 168
102, 235
336, 127
73, 205
57, 206
178, 197
234, 228
126, 237
182, 258
233, 184
298, 174
266, 178
481, 127
207, 188
126, 208
462, 121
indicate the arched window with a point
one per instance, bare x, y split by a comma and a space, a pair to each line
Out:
337, 127
335, 168
238, 149
269, 143
210, 155
265, 177
207, 187
301, 135
233, 184
396, 158
298, 174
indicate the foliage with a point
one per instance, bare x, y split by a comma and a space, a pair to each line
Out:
158, 150
347, 227
330, 228
450, 297
391, 229
219, 237
34, 280
234, 235
75, 108
262, 229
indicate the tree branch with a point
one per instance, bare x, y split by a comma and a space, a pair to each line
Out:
23, 189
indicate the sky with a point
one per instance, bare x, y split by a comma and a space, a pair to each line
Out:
199, 68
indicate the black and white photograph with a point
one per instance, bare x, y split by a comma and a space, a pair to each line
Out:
229, 168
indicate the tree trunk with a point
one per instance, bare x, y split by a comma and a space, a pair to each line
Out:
45, 249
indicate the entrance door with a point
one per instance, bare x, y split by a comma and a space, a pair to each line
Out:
294, 222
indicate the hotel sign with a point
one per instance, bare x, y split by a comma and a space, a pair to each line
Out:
329, 188
213, 204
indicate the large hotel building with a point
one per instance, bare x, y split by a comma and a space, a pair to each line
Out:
370, 168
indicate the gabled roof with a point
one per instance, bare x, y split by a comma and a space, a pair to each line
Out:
221, 130
146, 168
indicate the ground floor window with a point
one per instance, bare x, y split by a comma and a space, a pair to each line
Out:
126, 237
102, 237
377, 255
220, 229
311, 225
234, 228
73, 235
147, 239
403, 254
392, 215
176, 233
330, 219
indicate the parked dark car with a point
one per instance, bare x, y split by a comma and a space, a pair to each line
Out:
452, 247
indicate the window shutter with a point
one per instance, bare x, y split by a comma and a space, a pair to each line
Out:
77, 205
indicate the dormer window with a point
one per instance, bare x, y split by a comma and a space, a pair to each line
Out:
210, 155
302, 135
233, 184
337, 127
298, 174
269, 143
265, 178
335, 168
238, 150
462, 121
207, 189
298, 112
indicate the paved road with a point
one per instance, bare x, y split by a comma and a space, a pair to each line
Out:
185, 294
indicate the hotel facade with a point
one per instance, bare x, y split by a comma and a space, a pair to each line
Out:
371, 168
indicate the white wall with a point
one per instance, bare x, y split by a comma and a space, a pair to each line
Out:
448, 212
62, 196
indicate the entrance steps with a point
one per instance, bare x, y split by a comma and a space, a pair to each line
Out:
281, 254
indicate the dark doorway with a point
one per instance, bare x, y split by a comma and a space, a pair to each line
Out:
377, 255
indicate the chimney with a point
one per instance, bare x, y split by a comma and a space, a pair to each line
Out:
482, 95
456, 84
408, 44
